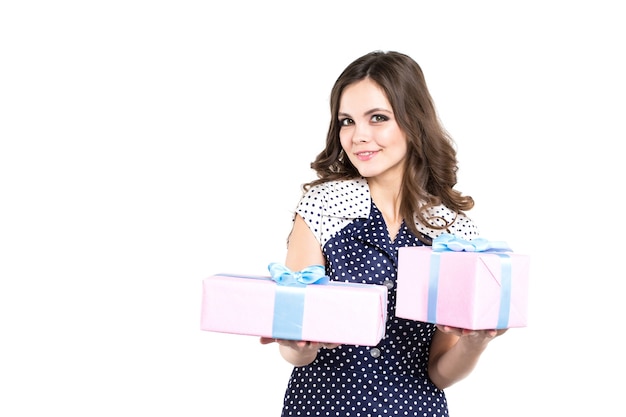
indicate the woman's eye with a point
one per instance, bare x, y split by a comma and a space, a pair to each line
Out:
379, 118
346, 122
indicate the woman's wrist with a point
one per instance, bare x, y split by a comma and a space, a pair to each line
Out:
298, 357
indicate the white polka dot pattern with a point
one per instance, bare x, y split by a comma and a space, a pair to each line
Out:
390, 378
329, 207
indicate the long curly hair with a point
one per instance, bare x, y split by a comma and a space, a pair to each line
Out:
431, 162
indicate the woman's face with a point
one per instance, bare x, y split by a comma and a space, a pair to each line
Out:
369, 134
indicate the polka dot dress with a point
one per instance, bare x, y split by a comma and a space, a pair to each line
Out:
389, 379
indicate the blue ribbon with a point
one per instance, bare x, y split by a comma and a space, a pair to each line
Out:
314, 274
447, 242
433, 287
289, 298
505, 290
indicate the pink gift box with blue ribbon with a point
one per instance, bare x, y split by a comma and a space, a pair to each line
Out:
478, 284
295, 305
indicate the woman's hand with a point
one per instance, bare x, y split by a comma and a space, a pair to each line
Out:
298, 352
474, 337
300, 346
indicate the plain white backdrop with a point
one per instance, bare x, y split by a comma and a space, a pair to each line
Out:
146, 145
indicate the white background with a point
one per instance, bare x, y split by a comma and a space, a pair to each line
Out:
148, 144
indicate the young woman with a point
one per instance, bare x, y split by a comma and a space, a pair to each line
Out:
385, 180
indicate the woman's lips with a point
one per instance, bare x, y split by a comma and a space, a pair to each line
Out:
366, 155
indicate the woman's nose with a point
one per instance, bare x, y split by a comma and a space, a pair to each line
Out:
361, 134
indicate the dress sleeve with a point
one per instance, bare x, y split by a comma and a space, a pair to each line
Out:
311, 209
329, 207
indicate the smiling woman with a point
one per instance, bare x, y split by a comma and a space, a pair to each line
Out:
385, 181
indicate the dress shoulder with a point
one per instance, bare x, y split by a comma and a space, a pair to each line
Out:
328, 207
455, 223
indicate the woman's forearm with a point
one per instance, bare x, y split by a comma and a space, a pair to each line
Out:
455, 364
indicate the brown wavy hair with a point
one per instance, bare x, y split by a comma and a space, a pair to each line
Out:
431, 163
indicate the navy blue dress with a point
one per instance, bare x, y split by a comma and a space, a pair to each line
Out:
387, 379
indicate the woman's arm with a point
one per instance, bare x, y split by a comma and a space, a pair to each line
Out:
303, 250
454, 353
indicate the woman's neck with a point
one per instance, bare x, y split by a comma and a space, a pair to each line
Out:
387, 198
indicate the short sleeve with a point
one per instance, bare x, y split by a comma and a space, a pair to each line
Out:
329, 207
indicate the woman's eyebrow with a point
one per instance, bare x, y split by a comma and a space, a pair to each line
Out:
367, 113
376, 110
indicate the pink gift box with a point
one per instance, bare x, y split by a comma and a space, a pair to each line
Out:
469, 290
336, 312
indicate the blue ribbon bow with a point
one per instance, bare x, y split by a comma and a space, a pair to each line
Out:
314, 274
449, 242
290, 297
